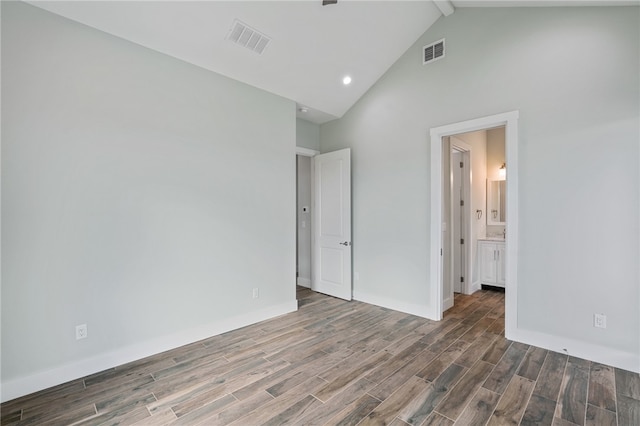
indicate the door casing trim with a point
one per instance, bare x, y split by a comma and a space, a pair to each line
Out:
510, 121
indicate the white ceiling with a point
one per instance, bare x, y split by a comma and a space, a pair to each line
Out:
312, 47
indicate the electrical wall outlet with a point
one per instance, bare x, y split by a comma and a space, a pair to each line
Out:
600, 320
81, 331
256, 293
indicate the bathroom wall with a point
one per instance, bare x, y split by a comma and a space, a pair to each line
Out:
495, 159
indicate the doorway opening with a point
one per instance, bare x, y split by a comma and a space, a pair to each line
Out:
438, 222
303, 220
323, 221
470, 162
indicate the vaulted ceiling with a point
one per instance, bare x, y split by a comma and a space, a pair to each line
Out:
311, 48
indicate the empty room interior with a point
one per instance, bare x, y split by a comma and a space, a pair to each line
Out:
320, 212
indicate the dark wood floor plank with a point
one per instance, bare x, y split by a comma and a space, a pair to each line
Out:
436, 419
313, 362
394, 381
205, 412
550, 377
211, 351
398, 422
350, 376
602, 388
628, 383
122, 416
389, 408
477, 329
532, 363
455, 401
497, 327
597, 416
293, 413
184, 379
77, 414
513, 403
480, 408
162, 418
194, 401
436, 334
628, 410
337, 404
505, 369
96, 395
395, 362
449, 338
432, 370
239, 409
7, 417
45, 396
539, 412
477, 315
572, 405
477, 350
496, 350
424, 403
355, 412
562, 422
280, 404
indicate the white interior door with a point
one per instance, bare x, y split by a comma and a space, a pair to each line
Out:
332, 224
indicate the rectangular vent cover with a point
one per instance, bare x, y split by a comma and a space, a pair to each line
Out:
248, 37
433, 52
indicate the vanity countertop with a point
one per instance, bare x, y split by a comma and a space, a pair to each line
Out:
492, 239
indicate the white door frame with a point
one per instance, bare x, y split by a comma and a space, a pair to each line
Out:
306, 152
510, 121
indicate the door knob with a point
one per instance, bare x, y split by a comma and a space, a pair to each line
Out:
345, 243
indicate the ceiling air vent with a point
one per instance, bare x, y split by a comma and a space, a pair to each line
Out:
248, 37
433, 52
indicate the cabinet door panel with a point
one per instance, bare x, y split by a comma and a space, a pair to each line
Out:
488, 263
500, 265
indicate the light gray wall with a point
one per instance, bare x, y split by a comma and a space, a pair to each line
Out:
304, 220
141, 195
307, 134
573, 73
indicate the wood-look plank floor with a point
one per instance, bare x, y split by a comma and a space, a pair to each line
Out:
346, 363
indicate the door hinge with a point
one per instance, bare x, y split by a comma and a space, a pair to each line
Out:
440, 252
461, 164
461, 279
461, 240
462, 203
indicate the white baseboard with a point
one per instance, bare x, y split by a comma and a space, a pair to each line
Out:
304, 282
604, 355
396, 305
474, 287
25, 385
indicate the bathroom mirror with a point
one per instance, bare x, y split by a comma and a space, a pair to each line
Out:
496, 202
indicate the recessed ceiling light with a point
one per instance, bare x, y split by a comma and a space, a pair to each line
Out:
303, 109
346, 80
